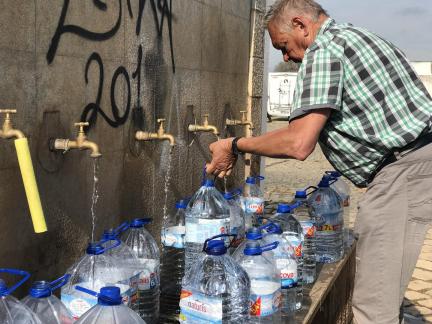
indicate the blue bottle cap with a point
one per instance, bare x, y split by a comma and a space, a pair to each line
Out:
40, 289
334, 174
216, 247
301, 194
94, 249
229, 195
283, 209
251, 180
109, 296
274, 229
182, 204
325, 182
209, 183
254, 233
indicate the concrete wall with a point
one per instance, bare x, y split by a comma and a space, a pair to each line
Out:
195, 60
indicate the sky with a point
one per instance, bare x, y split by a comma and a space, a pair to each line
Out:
406, 23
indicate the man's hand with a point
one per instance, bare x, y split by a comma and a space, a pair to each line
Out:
223, 160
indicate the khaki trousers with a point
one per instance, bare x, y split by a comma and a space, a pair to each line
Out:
393, 218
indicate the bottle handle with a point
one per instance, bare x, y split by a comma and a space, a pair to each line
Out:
266, 226
16, 272
311, 187
259, 177
87, 291
216, 237
60, 282
121, 228
269, 247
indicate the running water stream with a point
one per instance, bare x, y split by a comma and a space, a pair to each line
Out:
95, 195
167, 182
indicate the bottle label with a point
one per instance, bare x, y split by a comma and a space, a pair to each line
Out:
77, 305
174, 236
296, 244
254, 205
206, 228
265, 297
288, 272
197, 308
308, 229
148, 276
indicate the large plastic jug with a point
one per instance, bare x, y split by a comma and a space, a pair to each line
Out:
12, 311
47, 306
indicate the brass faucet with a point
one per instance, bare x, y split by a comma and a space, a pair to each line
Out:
81, 142
160, 135
7, 130
205, 127
243, 121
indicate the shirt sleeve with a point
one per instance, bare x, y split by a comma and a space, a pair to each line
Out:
319, 84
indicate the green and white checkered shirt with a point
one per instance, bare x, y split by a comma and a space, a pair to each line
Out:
378, 102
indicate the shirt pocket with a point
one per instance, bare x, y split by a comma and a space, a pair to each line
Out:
420, 198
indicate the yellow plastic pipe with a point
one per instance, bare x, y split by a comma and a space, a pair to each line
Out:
31, 189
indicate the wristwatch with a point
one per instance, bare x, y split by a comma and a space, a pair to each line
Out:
234, 148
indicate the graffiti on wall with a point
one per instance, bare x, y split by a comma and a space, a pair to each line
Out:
162, 16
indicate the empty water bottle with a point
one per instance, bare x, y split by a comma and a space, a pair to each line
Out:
265, 295
293, 232
93, 271
207, 215
126, 259
325, 207
147, 251
344, 192
253, 201
301, 213
109, 308
12, 311
283, 256
48, 307
215, 289
172, 263
237, 220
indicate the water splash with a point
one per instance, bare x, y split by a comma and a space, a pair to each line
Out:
166, 185
95, 195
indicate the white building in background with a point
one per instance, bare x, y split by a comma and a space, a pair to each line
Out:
424, 71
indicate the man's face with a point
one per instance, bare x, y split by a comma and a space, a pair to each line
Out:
291, 43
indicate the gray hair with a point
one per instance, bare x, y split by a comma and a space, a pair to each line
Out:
306, 7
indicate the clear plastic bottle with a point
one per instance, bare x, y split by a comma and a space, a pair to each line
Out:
301, 213
147, 251
172, 263
264, 277
109, 308
285, 260
207, 215
344, 192
48, 307
93, 271
215, 289
326, 208
12, 311
126, 259
253, 201
237, 220
292, 232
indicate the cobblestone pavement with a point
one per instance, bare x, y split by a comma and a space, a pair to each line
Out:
283, 177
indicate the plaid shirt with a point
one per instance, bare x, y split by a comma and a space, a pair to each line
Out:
378, 103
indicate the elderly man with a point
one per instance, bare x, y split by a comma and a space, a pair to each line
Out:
358, 96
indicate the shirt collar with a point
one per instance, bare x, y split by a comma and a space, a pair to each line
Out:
321, 34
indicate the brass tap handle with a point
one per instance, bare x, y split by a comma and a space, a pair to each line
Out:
81, 126
8, 112
161, 124
243, 113
205, 119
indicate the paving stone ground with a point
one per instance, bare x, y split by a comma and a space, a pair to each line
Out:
283, 177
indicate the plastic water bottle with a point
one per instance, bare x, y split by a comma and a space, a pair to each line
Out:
207, 215
12, 311
265, 284
283, 256
254, 234
215, 289
344, 192
126, 259
292, 232
325, 208
301, 213
237, 220
109, 308
48, 307
93, 271
253, 200
172, 263
147, 251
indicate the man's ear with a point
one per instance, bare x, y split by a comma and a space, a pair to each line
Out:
300, 24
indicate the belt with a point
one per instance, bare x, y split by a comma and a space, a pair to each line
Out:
397, 154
